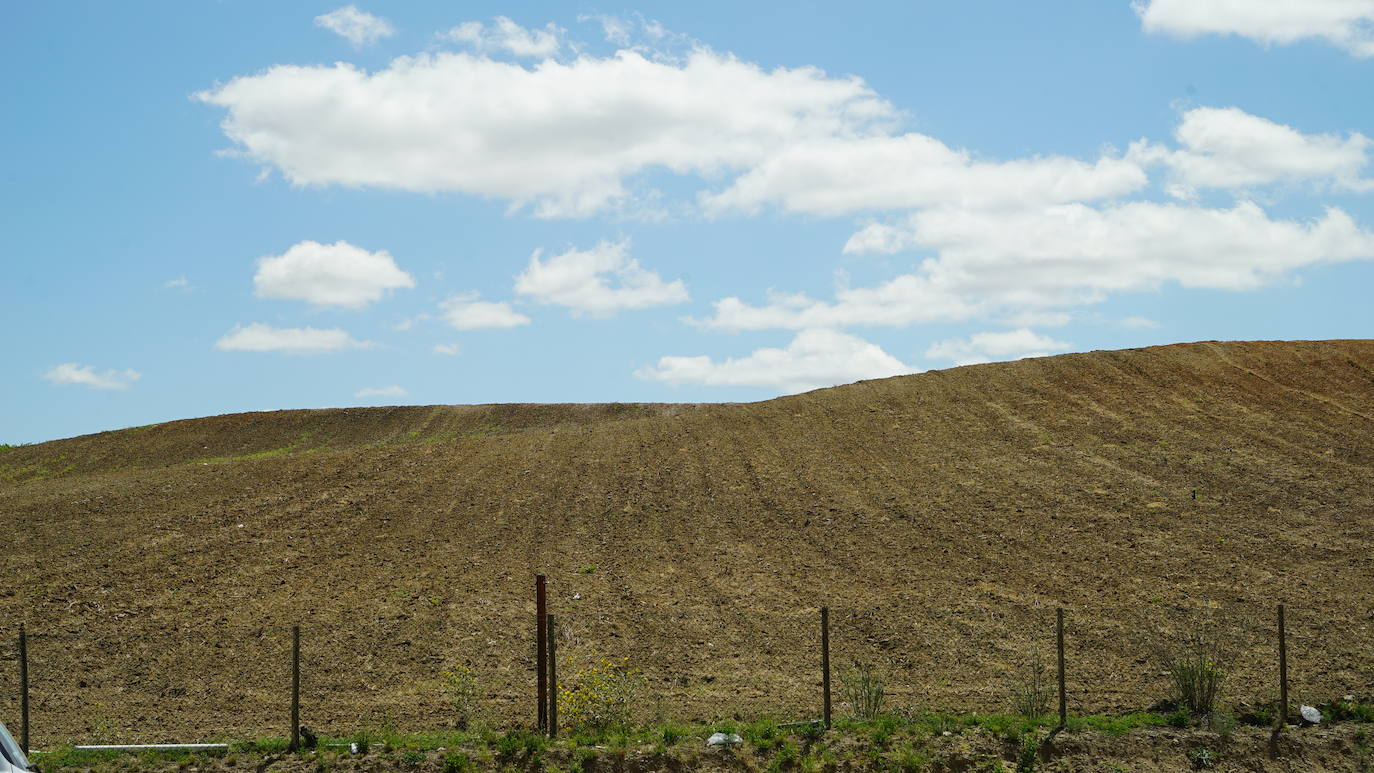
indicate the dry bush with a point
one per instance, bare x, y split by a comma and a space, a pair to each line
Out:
865, 689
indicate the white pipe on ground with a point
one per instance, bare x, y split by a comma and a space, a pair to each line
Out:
136, 746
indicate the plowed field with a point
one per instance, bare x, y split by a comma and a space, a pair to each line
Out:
941, 516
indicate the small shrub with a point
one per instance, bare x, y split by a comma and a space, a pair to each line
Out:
582, 759
785, 759
865, 690
362, 742
1202, 758
912, 760
461, 685
1029, 754
1030, 696
882, 730
507, 746
1180, 718
1196, 673
763, 734
601, 696
812, 732
519, 745
412, 757
1222, 723
457, 762
670, 735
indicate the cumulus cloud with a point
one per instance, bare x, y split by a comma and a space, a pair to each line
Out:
448, 350
466, 312
1348, 24
813, 359
562, 137
337, 274
85, 375
359, 27
386, 391
259, 337
1060, 257
506, 35
840, 175
1230, 148
599, 281
180, 283
996, 347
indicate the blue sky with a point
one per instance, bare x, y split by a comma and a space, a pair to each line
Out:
213, 207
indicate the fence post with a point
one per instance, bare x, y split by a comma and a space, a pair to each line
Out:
1283, 671
295, 688
1059, 645
541, 656
23, 689
553, 676
825, 663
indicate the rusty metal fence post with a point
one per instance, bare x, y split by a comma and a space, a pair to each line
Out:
825, 664
1059, 645
1283, 671
23, 689
553, 676
542, 653
295, 688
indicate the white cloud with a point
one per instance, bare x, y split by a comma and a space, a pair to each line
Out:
259, 337
638, 33
359, 27
1348, 24
814, 358
578, 279
1061, 257
409, 322
506, 35
563, 137
386, 391
465, 312
1230, 148
839, 175
180, 283
1139, 323
448, 350
85, 375
996, 347
337, 274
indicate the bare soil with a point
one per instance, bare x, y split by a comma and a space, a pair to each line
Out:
941, 516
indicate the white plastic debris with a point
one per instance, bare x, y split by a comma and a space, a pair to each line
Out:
721, 739
1311, 714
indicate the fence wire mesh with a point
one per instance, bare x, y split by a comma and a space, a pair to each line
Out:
692, 662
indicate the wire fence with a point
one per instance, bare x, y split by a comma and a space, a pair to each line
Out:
697, 664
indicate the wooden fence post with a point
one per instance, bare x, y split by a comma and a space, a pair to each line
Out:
1059, 645
1283, 671
23, 689
541, 656
825, 663
295, 688
553, 676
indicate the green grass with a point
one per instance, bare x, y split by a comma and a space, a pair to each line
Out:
891, 742
294, 447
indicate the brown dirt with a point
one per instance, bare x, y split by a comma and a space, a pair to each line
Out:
942, 517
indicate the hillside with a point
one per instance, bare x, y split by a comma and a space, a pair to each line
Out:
942, 516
